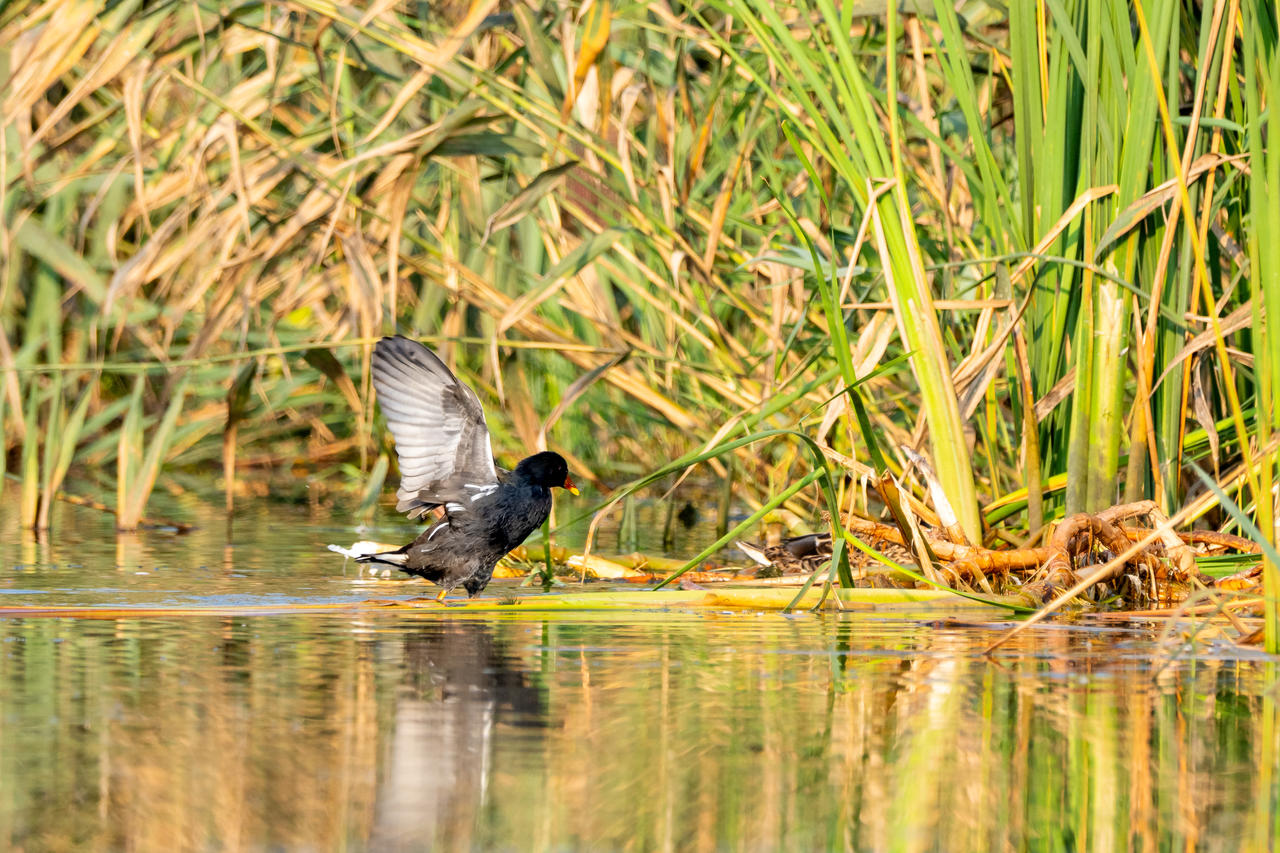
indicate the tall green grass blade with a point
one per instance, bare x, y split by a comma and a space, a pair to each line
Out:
1247, 526
29, 501
68, 439
739, 529
129, 453
54, 426
4, 430
1262, 85
147, 469
373, 490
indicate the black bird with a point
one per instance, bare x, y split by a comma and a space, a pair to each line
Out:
446, 461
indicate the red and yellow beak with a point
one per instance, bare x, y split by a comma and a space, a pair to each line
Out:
568, 484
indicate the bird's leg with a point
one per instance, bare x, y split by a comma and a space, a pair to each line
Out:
440, 597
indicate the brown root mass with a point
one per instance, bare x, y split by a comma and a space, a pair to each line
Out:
1127, 565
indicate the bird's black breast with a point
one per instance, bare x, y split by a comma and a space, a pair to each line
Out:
513, 513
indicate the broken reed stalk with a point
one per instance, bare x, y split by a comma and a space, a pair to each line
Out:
1211, 538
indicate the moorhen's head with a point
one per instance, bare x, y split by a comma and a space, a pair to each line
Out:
546, 469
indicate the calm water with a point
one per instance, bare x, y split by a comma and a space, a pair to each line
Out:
413, 730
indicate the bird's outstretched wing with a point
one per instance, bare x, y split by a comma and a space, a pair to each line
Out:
438, 425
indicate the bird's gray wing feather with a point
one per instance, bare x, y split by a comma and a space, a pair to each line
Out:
442, 441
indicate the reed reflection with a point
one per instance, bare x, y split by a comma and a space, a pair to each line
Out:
404, 732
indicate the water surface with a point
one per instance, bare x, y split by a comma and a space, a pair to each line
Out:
415, 729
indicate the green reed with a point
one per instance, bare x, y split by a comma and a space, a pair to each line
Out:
1047, 225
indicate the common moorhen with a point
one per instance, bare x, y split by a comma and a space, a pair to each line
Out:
446, 461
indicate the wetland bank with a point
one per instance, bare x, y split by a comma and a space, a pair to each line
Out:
977, 286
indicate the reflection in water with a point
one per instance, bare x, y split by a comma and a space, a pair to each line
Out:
622, 731
644, 732
458, 685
